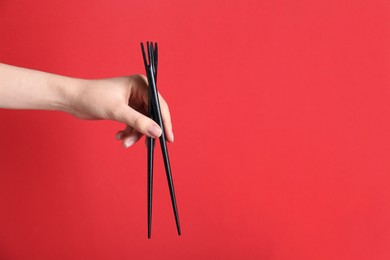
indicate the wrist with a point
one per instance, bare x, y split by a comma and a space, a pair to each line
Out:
68, 91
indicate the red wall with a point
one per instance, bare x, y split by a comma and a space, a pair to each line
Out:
281, 118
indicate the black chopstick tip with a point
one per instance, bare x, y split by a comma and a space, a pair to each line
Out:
178, 228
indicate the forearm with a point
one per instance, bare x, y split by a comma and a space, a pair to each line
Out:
30, 89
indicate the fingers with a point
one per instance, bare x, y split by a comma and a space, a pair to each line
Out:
166, 116
123, 133
133, 116
138, 124
138, 121
129, 136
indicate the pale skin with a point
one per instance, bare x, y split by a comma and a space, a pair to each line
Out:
122, 99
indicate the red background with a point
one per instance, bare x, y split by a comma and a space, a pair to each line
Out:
281, 118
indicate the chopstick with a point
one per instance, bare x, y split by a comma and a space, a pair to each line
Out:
150, 149
151, 63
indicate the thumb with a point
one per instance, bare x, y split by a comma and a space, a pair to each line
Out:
139, 122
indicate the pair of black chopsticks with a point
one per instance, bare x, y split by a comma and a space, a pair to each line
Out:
151, 62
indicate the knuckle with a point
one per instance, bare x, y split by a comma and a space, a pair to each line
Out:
140, 79
138, 122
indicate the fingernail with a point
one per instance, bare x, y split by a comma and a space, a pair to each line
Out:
172, 137
154, 131
129, 142
119, 136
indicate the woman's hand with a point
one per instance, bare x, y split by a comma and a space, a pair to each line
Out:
123, 99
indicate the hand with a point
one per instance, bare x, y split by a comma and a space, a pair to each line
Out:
123, 99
